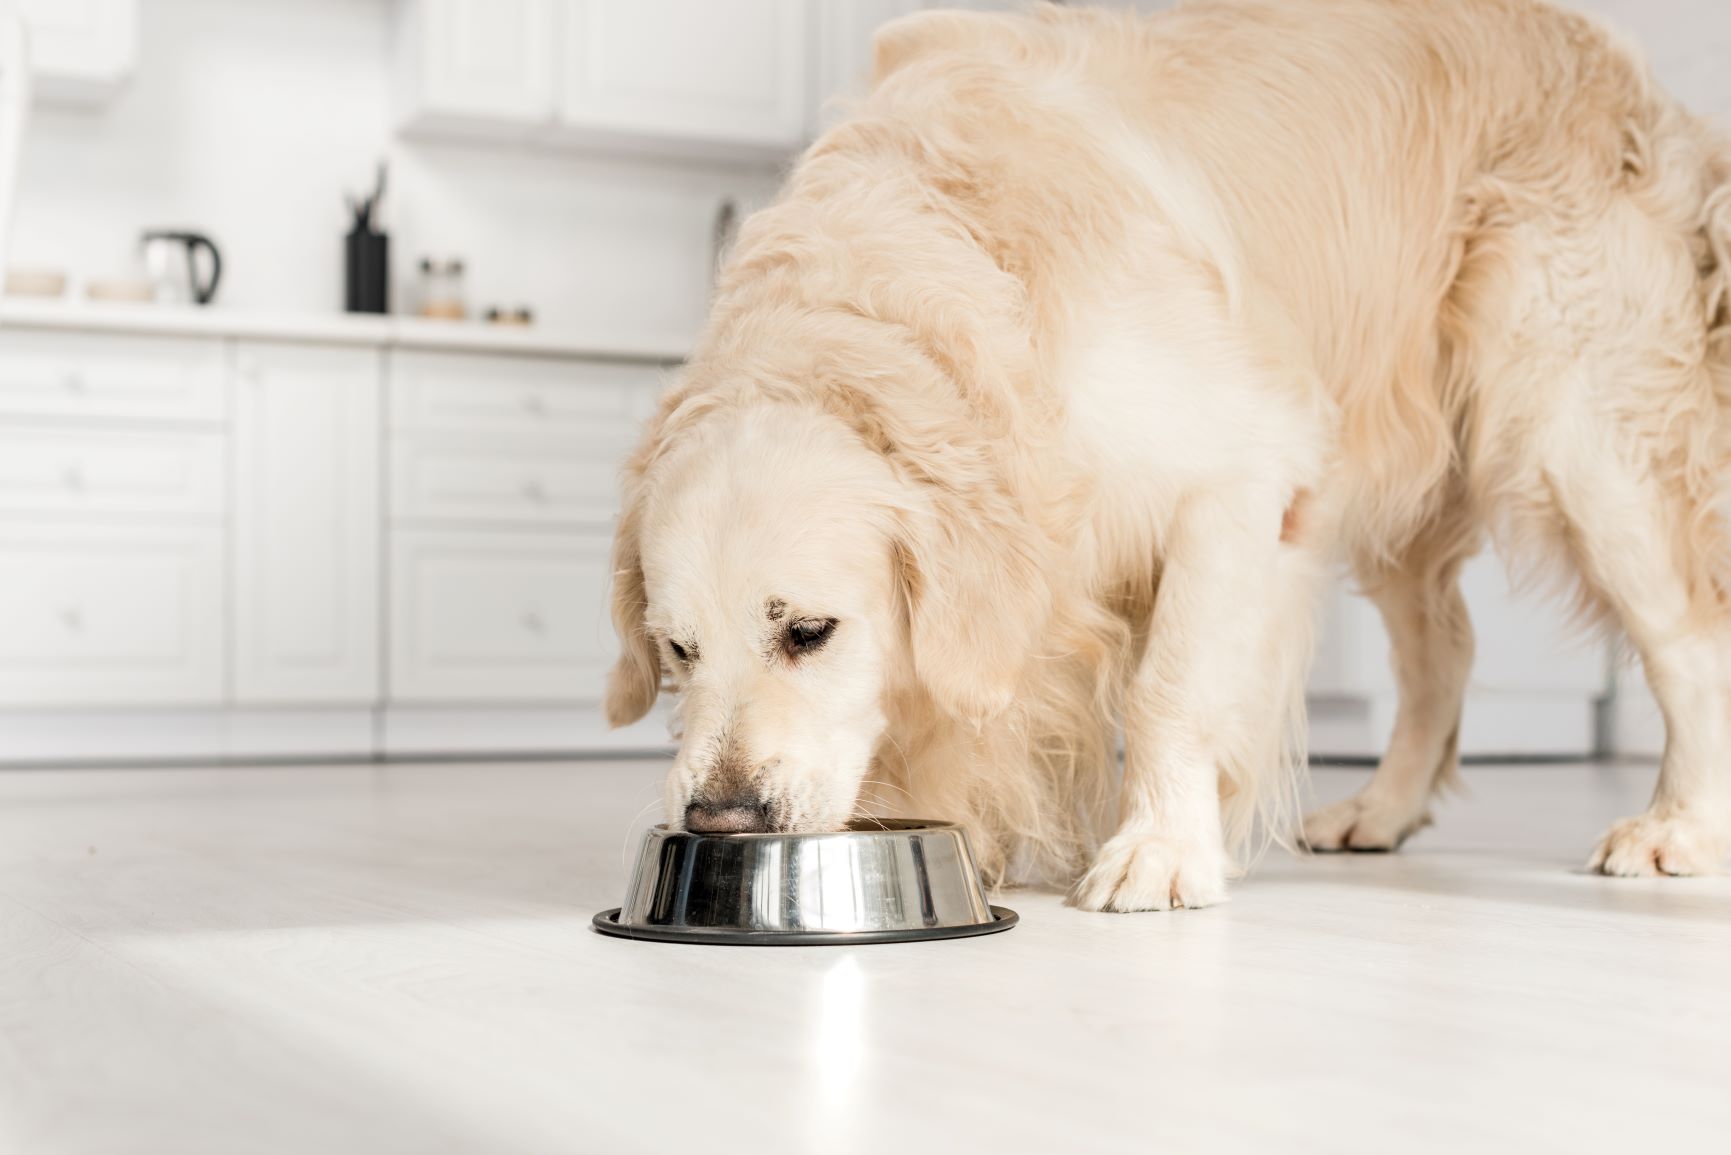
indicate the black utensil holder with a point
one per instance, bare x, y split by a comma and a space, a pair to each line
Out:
369, 261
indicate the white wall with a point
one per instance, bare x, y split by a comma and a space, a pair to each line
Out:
249, 118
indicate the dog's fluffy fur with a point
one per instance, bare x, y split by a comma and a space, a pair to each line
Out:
1067, 367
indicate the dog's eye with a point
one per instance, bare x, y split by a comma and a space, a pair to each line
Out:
684, 655
808, 634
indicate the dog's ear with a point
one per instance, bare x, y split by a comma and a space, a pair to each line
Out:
978, 599
636, 677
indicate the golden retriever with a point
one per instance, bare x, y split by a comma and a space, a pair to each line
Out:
1063, 372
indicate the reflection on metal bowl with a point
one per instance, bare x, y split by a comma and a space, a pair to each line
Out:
888, 881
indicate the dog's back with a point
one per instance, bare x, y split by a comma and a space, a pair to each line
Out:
1351, 171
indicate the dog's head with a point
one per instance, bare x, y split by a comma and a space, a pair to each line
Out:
785, 577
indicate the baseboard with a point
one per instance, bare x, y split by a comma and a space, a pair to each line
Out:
137, 737
48, 737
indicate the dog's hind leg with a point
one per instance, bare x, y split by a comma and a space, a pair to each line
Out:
1431, 639
1654, 556
1601, 434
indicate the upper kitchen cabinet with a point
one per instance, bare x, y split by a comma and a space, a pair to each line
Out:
477, 64
735, 80
81, 51
734, 76
842, 51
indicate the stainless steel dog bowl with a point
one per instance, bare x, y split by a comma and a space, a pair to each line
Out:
890, 881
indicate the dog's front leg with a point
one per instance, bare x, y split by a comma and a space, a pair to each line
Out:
1206, 693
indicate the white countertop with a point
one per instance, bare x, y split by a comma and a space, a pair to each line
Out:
341, 329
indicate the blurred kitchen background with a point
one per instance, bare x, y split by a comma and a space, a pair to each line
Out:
357, 502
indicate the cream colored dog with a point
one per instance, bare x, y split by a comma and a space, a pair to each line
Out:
1063, 372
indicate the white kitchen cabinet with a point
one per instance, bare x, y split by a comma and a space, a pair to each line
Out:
486, 616
15, 96
504, 484
842, 35
307, 534
112, 377
81, 51
687, 70
110, 613
196, 546
727, 80
542, 481
470, 395
53, 469
1535, 689
477, 62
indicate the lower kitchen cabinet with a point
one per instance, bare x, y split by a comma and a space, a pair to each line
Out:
1535, 690
111, 613
235, 545
487, 616
307, 469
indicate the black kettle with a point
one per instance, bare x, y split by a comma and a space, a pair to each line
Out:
171, 262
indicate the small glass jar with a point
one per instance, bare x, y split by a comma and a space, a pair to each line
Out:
442, 289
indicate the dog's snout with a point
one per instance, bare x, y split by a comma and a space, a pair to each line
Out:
743, 814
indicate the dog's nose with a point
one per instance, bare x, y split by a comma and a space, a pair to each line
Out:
740, 815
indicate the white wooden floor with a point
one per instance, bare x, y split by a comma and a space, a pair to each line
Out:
399, 959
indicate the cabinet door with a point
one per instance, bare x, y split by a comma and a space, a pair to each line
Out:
110, 615
694, 70
307, 464
514, 481
109, 376
15, 94
489, 617
487, 60
81, 51
1534, 689
52, 469
535, 397
842, 40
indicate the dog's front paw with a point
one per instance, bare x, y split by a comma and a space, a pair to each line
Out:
1650, 844
1363, 822
1139, 870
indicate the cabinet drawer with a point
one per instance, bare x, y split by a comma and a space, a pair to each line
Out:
524, 484
604, 401
499, 617
99, 375
122, 615
69, 470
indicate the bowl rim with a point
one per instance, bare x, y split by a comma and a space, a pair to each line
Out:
878, 828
